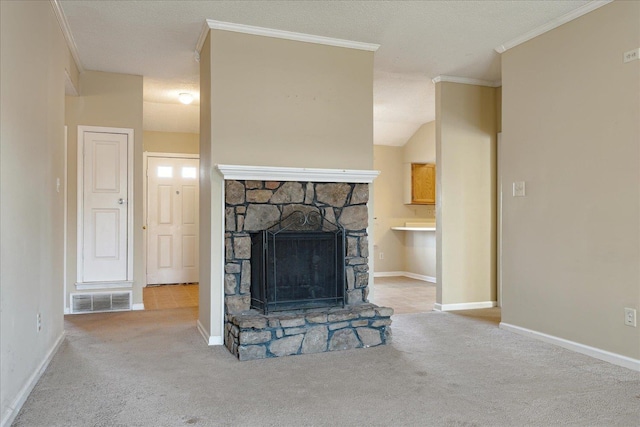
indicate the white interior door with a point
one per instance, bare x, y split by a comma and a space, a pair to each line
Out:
105, 204
172, 220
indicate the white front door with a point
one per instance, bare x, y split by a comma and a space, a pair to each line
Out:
172, 210
105, 207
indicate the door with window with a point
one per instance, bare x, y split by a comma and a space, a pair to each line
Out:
172, 220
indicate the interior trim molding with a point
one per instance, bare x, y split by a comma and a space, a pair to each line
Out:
555, 23
388, 274
211, 24
137, 307
82, 129
466, 81
422, 277
69, 88
104, 285
209, 339
204, 32
607, 356
464, 306
269, 173
14, 408
66, 32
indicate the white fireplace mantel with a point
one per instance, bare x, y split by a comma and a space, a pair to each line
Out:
270, 173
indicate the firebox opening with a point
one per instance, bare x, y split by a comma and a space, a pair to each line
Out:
298, 264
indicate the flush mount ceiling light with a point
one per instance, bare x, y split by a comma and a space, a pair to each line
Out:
185, 98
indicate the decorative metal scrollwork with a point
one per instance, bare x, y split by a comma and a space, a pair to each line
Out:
304, 221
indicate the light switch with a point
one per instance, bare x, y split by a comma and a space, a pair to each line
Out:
518, 189
58, 185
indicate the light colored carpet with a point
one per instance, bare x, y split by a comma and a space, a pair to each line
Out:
153, 369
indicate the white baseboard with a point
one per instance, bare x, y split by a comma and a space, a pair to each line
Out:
388, 273
138, 306
464, 306
12, 412
424, 278
104, 285
209, 339
607, 356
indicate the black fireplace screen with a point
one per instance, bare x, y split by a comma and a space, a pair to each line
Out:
298, 263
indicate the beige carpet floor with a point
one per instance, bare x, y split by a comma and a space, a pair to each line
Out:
152, 368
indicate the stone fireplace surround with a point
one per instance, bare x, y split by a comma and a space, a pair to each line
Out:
255, 199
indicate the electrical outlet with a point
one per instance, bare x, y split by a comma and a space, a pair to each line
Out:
38, 322
631, 55
381, 255
630, 316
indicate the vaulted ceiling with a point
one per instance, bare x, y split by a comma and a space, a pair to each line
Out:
419, 40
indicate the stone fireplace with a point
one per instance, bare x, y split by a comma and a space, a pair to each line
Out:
255, 209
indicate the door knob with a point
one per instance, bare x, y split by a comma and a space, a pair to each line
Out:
121, 201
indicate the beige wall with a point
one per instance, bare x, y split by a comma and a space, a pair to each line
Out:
466, 178
499, 109
288, 103
390, 210
420, 247
32, 80
283, 103
171, 142
571, 247
420, 254
107, 100
412, 252
209, 316
420, 148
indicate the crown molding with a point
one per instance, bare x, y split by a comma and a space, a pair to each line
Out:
210, 24
203, 36
69, 88
269, 173
570, 16
466, 81
66, 32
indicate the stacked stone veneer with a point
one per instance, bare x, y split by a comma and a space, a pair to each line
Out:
252, 206
255, 336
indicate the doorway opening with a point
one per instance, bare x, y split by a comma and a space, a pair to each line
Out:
171, 231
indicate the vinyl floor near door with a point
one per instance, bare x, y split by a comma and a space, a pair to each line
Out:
170, 296
404, 295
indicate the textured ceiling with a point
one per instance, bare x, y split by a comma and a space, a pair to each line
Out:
419, 41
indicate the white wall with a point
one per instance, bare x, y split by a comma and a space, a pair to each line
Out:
32, 79
571, 132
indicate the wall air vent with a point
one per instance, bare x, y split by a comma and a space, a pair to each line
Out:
97, 302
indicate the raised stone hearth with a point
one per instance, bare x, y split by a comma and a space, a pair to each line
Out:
251, 335
252, 206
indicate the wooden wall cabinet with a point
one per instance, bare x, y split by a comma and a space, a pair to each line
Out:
423, 184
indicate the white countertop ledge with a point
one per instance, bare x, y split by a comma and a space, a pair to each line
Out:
414, 228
